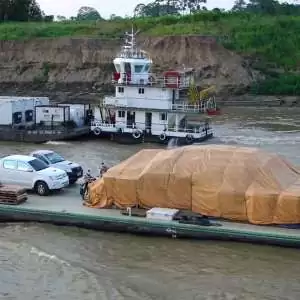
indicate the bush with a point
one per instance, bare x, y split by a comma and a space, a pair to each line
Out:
284, 84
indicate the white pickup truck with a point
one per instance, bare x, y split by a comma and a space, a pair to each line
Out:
32, 174
53, 159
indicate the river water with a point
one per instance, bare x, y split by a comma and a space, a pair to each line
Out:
49, 262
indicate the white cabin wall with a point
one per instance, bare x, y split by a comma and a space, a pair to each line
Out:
6, 113
121, 119
157, 123
45, 113
140, 119
10, 105
149, 92
21, 105
152, 98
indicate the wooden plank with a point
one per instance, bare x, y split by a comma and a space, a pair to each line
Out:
9, 202
12, 195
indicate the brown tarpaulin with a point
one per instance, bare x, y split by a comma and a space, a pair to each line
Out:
237, 183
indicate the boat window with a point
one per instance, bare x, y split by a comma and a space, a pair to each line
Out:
23, 166
17, 117
37, 164
147, 67
29, 115
138, 68
118, 68
141, 91
163, 116
10, 164
54, 157
120, 89
121, 114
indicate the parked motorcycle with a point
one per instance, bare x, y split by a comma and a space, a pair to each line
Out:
84, 191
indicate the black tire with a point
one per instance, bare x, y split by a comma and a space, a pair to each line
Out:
84, 194
41, 188
72, 181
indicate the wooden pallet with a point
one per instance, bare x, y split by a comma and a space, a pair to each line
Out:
12, 195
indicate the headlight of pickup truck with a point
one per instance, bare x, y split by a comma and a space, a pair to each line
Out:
57, 177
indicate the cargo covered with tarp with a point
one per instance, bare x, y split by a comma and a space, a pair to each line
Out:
235, 183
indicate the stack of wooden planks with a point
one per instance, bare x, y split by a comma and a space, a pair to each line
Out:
12, 195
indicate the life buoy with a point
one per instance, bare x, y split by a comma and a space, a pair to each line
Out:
163, 136
189, 138
97, 131
136, 134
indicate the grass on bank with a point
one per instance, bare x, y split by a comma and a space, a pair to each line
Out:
274, 39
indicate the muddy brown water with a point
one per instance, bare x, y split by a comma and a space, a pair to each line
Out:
49, 262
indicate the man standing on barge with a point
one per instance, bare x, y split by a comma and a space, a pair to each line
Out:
103, 169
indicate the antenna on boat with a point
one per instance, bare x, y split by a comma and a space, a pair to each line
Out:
131, 41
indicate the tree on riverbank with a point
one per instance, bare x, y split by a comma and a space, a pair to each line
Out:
271, 7
86, 13
21, 10
167, 7
172, 7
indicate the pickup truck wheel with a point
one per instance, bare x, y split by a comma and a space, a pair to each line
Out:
72, 181
41, 188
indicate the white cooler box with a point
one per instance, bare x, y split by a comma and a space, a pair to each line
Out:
158, 213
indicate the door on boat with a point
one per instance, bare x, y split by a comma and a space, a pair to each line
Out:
130, 119
148, 121
173, 97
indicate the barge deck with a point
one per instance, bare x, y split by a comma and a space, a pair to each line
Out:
65, 208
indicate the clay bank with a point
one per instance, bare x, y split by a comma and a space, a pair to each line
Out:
80, 69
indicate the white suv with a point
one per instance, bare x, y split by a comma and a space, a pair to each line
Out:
31, 173
53, 159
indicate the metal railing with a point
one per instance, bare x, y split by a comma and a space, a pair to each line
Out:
163, 104
186, 107
102, 124
154, 126
184, 81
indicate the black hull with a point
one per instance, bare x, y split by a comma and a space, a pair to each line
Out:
42, 135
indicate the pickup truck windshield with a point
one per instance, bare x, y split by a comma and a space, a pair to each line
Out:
38, 165
54, 157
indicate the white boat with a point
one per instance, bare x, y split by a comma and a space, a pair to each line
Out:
151, 108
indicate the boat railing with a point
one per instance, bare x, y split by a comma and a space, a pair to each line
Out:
154, 126
186, 107
152, 80
102, 124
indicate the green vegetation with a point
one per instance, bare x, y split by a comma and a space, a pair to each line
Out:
274, 38
284, 84
264, 30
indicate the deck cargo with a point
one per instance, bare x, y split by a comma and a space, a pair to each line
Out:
235, 183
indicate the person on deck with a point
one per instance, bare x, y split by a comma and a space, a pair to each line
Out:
87, 178
103, 169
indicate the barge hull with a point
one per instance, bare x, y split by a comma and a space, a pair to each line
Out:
41, 135
57, 211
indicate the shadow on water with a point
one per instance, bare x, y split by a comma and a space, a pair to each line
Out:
173, 143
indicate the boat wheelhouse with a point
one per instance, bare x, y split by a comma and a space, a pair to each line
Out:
148, 107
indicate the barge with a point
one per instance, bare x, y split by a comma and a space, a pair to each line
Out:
36, 120
65, 208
